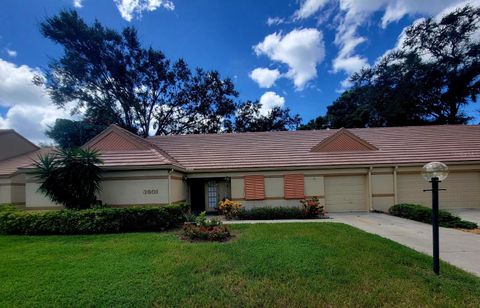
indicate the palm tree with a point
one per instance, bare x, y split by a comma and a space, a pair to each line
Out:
70, 177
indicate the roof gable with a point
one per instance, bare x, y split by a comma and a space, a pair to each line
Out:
343, 141
116, 139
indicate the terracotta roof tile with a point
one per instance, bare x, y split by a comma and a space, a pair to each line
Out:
10, 166
396, 145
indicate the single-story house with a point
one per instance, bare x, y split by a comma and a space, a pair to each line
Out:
347, 169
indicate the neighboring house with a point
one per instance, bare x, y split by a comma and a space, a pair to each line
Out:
15, 152
348, 169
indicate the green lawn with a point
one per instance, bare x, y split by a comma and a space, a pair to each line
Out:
312, 264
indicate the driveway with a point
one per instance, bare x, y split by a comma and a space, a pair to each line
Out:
459, 248
472, 215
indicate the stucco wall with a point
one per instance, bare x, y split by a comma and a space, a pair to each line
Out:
12, 190
35, 199
123, 188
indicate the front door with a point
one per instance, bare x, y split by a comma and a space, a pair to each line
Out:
212, 196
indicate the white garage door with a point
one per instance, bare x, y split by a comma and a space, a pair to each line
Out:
345, 193
462, 190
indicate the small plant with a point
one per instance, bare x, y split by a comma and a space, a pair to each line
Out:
229, 208
312, 208
205, 229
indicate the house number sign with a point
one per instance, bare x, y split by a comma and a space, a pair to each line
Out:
150, 191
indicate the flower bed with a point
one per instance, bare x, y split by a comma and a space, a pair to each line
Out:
204, 229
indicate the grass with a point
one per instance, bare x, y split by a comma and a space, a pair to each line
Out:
316, 264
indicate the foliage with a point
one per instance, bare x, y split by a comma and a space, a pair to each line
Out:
429, 79
424, 214
118, 81
69, 134
249, 119
92, 221
7, 208
271, 213
70, 177
319, 122
312, 208
206, 229
203, 221
229, 208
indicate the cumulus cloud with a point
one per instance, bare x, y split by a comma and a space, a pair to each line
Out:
269, 100
355, 13
134, 8
77, 3
30, 110
301, 50
264, 77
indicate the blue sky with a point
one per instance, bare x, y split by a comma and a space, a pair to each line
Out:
300, 52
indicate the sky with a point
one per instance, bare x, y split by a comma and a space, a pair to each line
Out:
293, 53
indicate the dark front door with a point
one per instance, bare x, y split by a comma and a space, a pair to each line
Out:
197, 195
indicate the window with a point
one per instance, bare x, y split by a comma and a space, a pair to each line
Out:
254, 187
294, 186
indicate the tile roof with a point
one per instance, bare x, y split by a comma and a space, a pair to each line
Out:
119, 147
396, 145
9, 166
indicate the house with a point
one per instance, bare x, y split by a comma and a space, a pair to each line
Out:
15, 151
348, 169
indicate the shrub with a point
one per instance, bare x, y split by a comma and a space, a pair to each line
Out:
312, 208
92, 221
206, 229
424, 214
270, 213
70, 177
229, 208
7, 208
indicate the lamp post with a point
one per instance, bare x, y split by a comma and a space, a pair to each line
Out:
435, 172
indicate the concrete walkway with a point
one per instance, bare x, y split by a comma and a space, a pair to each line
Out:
459, 248
472, 215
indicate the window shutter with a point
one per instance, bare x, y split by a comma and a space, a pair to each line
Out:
254, 187
294, 186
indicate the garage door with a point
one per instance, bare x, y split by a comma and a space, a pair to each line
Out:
462, 190
345, 193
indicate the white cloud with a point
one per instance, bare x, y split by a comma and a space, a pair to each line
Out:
301, 50
265, 77
355, 13
308, 8
134, 8
269, 100
30, 110
77, 3
273, 21
11, 53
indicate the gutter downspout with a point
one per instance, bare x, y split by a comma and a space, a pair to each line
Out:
370, 199
395, 195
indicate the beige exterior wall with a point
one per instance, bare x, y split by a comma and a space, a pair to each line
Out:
123, 188
35, 199
12, 190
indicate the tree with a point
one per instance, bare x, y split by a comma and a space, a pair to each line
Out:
116, 80
70, 177
320, 122
249, 119
69, 134
428, 80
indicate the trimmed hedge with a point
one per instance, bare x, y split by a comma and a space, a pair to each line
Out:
92, 221
270, 213
424, 214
